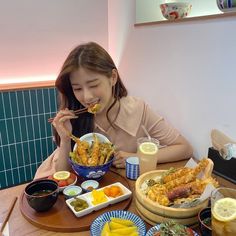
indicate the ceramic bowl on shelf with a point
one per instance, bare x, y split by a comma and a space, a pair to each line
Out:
42, 194
175, 10
98, 170
226, 5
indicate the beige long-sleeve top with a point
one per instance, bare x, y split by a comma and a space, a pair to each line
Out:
132, 115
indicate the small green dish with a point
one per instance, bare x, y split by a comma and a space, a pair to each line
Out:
72, 191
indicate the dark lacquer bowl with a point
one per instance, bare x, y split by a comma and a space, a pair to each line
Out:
42, 194
204, 218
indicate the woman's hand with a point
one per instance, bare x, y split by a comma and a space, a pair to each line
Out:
120, 158
62, 123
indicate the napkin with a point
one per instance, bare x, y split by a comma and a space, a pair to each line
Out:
6, 229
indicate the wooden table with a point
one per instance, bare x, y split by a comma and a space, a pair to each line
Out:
19, 226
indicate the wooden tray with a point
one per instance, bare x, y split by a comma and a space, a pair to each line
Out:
61, 219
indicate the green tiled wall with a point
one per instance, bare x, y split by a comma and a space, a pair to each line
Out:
25, 134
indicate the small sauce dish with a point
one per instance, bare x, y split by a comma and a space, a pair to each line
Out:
204, 218
89, 185
72, 191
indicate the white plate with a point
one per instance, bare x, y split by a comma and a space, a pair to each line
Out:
88, 197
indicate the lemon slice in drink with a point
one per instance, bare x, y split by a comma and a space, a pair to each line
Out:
225, 209
61, 175
148, 148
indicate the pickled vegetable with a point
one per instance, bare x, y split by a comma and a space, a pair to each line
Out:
79, 204
113, 191
98, 197
119, 227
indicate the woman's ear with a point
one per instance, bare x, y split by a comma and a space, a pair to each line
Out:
114, 76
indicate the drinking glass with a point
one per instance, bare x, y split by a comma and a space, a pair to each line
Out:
221, 225
147, 154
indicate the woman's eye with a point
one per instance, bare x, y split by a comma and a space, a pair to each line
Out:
77, 89
93, 85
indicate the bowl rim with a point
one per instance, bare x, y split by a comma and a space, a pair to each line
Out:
83, 138
34, 182
200, 220
179, 4
100, 136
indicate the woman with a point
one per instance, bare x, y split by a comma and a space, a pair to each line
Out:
90, 76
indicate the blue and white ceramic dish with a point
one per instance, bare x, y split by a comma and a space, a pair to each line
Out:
157, 228
89, 185
99, 222
92, 172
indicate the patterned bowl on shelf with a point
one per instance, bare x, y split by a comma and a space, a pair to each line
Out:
175, 10
99, 222
226, 5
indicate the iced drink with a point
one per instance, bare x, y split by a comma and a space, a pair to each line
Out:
147, 153
223, 208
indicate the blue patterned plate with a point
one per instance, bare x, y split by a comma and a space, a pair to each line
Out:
157, 228
99, 222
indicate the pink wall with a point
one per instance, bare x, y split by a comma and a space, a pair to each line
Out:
36, 36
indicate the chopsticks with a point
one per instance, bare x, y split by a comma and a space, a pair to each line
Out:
77, 112
8, 214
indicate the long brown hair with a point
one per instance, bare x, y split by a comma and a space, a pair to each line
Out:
93, 57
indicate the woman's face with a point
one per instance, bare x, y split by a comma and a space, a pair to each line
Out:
91, 87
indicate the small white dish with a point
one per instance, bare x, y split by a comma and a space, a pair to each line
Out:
89, 199
72, 191
89, 185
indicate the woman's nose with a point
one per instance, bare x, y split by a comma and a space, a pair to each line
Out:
88, 96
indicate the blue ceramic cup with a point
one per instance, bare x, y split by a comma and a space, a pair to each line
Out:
132, 168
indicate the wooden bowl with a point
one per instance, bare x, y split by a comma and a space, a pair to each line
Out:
155, 213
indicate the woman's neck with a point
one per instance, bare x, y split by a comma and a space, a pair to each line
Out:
101, 119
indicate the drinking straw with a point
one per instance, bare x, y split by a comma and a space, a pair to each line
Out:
146, 132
